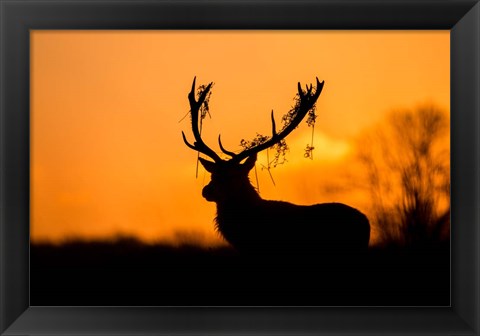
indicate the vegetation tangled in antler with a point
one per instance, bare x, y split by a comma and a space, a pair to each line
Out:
281, 147
205, 107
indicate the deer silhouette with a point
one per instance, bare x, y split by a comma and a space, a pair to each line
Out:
259, 227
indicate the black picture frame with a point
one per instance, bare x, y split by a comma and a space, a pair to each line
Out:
18, 17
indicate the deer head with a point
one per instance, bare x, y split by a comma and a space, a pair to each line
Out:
229, 177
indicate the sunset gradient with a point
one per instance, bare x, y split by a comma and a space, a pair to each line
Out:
108, 108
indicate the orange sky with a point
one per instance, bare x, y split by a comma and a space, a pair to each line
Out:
107, 153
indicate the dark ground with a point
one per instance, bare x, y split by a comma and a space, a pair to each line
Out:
129, 273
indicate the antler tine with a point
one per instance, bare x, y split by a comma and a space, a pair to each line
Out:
232, 154
274, 128
199, 145
188, 143
307, 101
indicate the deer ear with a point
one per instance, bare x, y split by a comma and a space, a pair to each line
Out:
208, 165
250, 162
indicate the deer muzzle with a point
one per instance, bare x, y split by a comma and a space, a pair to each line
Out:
207, 193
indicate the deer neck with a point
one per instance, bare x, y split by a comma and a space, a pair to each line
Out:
246, 197
236, 210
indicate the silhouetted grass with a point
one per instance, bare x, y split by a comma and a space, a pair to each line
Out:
129, 272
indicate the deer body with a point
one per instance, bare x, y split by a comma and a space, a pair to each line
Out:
294, 228
259, 227
263, 227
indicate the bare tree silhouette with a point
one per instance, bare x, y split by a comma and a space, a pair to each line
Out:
407, 168
259, 227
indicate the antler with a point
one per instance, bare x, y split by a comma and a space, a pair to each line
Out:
307, 100
195, 105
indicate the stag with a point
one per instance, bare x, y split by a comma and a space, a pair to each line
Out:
259, 227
